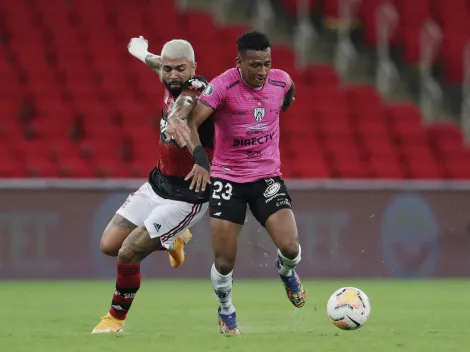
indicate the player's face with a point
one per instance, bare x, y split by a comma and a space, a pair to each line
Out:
254, 66
175, 72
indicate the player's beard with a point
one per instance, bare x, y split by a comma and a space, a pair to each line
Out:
175, 91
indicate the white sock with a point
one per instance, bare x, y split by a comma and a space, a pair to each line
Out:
222, 285
285, 264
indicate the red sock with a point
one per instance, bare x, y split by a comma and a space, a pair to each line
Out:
127, 285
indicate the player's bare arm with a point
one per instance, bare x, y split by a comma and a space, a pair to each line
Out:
154, 62
188, 131
288, 98
138, 47
200, 174
176, 122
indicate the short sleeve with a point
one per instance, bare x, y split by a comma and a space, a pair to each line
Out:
280, 79
214, 94
288, 81
196, 85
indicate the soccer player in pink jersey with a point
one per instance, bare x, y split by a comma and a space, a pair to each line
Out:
246, 165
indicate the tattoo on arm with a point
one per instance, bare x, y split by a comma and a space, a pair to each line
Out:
155, 63
122, 223
288, 98
182, 109
198, 115
183, 106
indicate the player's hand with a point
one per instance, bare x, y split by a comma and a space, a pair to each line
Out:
178, 130
137, 46
200, 178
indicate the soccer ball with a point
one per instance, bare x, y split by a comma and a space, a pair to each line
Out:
348, 308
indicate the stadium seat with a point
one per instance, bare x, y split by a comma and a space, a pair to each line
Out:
387, 167
78, 105
451, 13
41, 168
368, 17
321, 76
414, 12
12, 168
452, 55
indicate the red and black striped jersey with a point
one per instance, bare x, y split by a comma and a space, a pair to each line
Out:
174, 163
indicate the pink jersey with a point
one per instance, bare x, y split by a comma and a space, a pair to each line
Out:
246, 125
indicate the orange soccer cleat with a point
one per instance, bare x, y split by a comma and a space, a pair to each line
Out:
177, 253
108, 325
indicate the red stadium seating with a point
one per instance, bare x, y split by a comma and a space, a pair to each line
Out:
77, 105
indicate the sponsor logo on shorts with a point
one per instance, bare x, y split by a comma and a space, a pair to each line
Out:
253, 141
272, 190
282, 202
275, 196
157, 227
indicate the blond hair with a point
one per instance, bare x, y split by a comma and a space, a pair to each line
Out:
178, 48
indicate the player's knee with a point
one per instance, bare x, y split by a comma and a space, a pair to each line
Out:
127, 255
290, 249
108, 247
224, 265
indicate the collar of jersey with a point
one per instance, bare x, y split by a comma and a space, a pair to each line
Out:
246, 84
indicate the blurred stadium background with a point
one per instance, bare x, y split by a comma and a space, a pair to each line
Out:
374, 150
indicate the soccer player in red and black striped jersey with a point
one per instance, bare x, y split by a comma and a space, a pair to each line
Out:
157, 216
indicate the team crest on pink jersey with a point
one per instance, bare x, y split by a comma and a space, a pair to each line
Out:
259, 114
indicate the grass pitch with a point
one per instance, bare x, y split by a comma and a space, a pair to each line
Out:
181, 316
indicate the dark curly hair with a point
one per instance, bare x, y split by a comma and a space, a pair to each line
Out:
253, 41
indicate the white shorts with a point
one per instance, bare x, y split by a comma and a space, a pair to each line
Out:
164, 218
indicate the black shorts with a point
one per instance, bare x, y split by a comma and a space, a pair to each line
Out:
265, 197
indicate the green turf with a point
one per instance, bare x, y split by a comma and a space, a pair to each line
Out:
181, 316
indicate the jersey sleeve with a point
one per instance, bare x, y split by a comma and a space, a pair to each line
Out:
281, 79
214, 94
195, 85
285, 76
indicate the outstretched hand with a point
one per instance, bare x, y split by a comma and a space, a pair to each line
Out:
200, 178
137, 46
